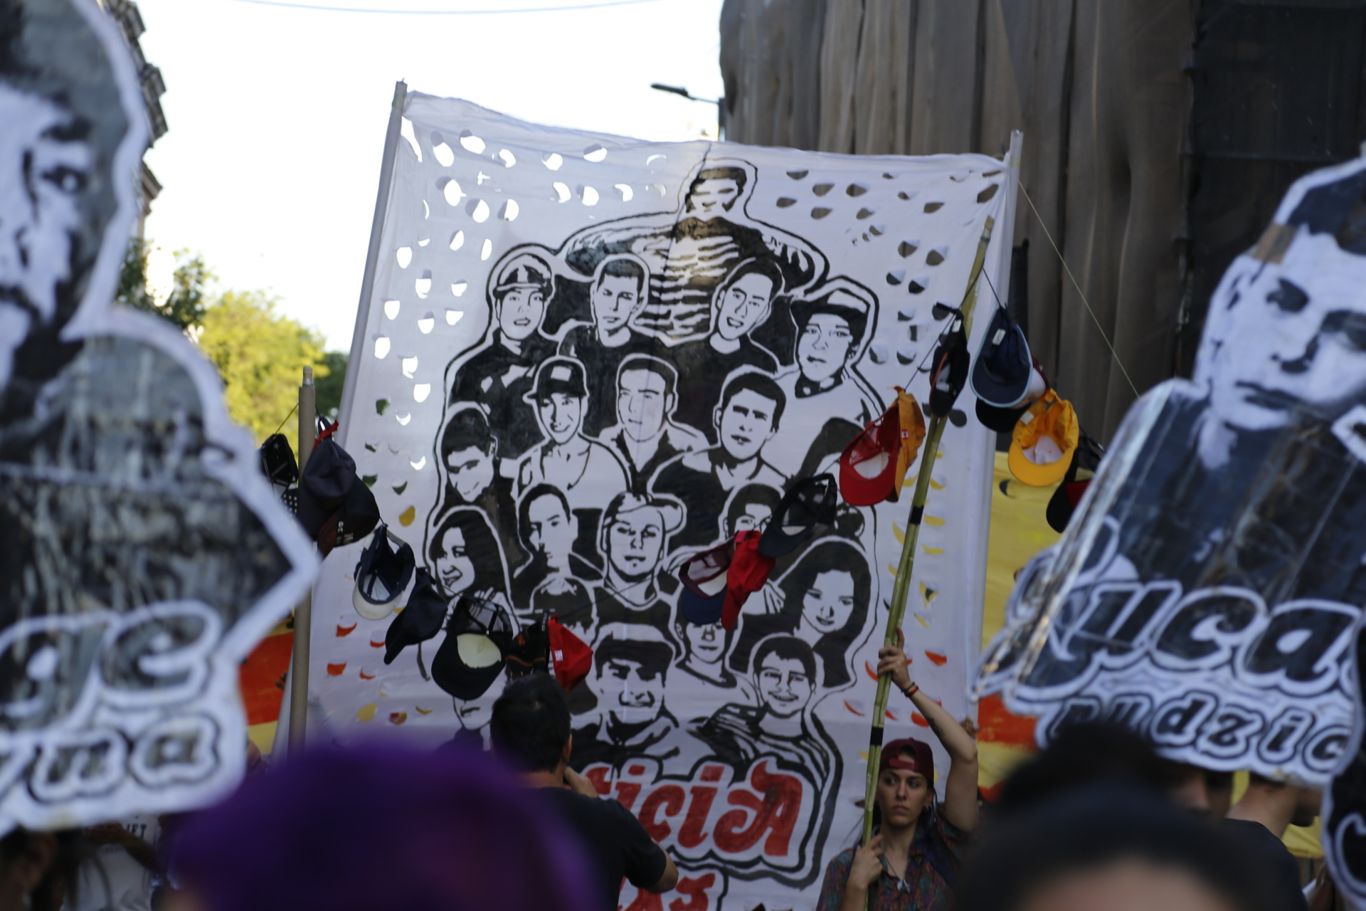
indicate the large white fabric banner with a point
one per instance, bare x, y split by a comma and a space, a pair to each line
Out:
586, 357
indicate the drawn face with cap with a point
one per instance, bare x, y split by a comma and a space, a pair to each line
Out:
643, 401
711, 197
560, 415
742, 305
785, 687
616, 298
1296, 339
706, 643
520, 311
454, 568
635, 689
475, 714
45, 167
745, 422
634, 542
828, 603
824, 346
470, 471
551, 530
751, 517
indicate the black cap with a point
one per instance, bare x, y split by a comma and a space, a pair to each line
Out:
382, 573
1000, 374
558, 374
1086, 457
328, 476
529, 652
277, 460
949, 374
1001, 420
420, 620
472, 654
806, 504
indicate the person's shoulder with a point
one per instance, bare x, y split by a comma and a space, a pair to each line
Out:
843, 860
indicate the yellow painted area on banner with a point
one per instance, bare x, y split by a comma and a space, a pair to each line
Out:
1019, 530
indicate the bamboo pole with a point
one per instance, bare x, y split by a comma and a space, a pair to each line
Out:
906, 566
303, 613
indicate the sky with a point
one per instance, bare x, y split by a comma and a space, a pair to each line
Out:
277, 116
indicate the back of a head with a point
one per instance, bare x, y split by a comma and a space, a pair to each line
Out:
1080, 755
380, 828
1119, 848
530, 724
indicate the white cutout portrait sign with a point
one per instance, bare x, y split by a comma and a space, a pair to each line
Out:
1210, 588
141, 554
587, 357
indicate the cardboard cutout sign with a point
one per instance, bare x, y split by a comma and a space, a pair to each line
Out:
1210, 589
141, 556
587, 358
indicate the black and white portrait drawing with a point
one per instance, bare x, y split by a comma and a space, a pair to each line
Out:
142, 554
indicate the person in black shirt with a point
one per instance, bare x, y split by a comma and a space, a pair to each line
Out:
530, 732
1259, 820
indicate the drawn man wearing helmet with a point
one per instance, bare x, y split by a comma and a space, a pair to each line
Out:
498, 375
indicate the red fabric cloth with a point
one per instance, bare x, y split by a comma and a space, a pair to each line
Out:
749, 570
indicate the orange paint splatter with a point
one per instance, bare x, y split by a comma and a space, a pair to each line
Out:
344, 631
890, 716
868, 669
365, 676
336, 670
938, 659
919, 719
398, 717
852, 709
379, 644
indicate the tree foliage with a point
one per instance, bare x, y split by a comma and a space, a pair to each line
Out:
260, 354
189, 296
330, 384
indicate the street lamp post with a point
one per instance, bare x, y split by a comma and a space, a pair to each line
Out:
683, 92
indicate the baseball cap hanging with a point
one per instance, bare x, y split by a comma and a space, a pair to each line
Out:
570, 657
1003, 420
873, 466
529, 651
805, 505
420, 619
384, 570
1085, 463
749, 570
335, 506
1001, 371
704, 584
949, 373
1042, 444
471, 655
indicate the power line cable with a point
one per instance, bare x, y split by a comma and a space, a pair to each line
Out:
1081, 294
328, 8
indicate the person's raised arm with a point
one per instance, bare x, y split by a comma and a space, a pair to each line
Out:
960, 788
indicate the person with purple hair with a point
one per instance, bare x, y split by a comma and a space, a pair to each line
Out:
379, 828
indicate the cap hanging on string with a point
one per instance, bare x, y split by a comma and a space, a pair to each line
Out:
873, 466
1043, 441
806, 505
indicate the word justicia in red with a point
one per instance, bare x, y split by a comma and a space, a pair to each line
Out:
762, 822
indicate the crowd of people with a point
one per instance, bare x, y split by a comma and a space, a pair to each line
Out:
1096, 820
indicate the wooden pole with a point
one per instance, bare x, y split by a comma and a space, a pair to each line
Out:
303, 613
906, 566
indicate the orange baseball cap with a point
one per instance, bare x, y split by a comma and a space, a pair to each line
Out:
873, 466
1044, 439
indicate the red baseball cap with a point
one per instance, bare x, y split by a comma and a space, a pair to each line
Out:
749, 570
875, 462
908, 755
570, 657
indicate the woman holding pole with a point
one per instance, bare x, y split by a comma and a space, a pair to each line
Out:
912, 860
